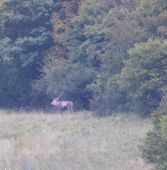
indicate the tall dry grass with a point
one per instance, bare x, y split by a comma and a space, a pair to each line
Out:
39, 141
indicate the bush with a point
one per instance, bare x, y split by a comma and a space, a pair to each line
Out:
155, 145
107, 98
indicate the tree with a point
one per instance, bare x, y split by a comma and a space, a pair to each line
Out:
153, 17
155, 144
152, 7
25, 33
144, 73
109, 36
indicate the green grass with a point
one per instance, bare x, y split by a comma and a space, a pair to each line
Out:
71, 142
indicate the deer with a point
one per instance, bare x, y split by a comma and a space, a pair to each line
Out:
62, 105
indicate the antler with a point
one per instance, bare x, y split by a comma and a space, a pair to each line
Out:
61, 94
51, 95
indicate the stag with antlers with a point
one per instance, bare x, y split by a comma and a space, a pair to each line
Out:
62, 105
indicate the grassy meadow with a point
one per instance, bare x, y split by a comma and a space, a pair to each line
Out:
40, 141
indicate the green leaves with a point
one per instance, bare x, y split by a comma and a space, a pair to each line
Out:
25, 35
152, 7
96, 38
146, 67
155, 145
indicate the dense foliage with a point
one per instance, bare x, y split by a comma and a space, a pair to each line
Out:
155, 146
95, 40
104, 55
144, 73
25, 32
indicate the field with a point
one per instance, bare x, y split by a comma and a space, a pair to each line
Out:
79, 141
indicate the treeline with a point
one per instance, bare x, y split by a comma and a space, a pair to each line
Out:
105, 55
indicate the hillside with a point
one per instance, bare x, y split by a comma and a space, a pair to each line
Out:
71, 142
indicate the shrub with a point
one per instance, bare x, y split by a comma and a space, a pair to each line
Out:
155, 145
